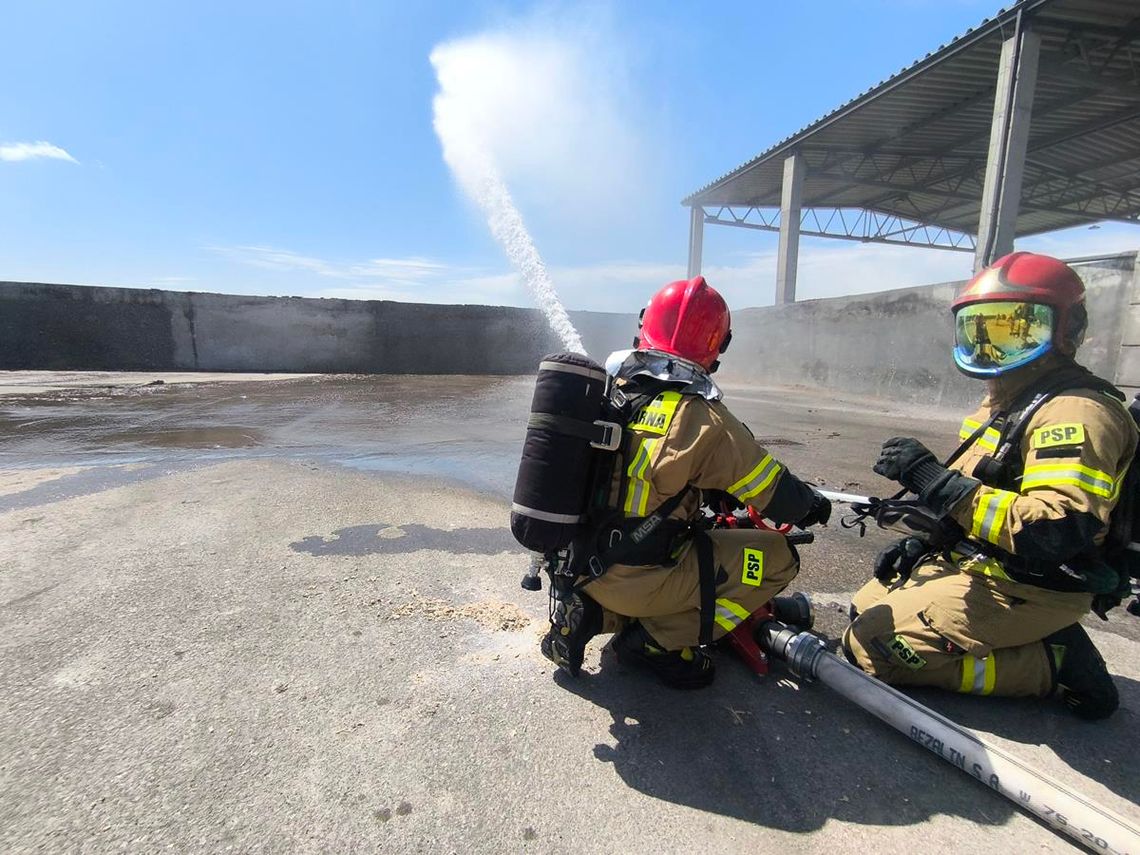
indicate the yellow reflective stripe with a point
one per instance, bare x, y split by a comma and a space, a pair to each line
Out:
967, 684
1051, 474
978, 675
729, 614
987, 440
984, 566
757, 480
735, 608
657, 415
989, 516
637, 494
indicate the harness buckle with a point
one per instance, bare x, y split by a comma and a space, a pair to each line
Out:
611, 436
597, 569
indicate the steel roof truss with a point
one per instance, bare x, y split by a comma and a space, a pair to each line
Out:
857, 224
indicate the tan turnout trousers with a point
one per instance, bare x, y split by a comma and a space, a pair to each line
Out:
959, 631
751, 567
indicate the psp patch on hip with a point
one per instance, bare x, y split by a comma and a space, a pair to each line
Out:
906, 654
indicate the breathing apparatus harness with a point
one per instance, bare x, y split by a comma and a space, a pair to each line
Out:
1105, 571
584, 546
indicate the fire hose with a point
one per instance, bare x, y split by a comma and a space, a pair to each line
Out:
1064, 810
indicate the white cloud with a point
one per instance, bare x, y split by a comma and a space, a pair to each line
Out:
826, 269
33, 151
396, 269
412, 279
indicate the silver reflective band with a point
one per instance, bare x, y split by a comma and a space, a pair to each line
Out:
592, 373
546, 516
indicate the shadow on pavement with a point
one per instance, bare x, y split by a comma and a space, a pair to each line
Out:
772, 753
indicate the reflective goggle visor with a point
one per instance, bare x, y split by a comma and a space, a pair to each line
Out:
993, 337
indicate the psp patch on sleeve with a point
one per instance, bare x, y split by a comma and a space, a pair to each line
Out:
1054, 435
753, 573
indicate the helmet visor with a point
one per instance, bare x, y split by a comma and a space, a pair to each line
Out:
993, 337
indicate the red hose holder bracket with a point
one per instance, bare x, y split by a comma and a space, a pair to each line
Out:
760, 523
743, 640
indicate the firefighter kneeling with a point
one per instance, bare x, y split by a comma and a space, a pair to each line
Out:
683, 587
994, 606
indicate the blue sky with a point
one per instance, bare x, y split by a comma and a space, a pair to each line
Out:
288, 147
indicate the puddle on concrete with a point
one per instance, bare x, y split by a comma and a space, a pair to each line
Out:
385, 539
778, 440
463, 429
90, 479
204, 437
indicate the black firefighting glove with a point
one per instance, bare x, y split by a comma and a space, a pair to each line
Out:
819, 513
912, 464
1105, 602
899, 559
714, 499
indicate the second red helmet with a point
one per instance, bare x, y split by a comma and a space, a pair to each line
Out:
1015, 311
689, 319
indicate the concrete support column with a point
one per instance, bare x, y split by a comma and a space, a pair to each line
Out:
790, 204
1009, 136
696, 239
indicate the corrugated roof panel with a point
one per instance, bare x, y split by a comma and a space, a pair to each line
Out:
917, 141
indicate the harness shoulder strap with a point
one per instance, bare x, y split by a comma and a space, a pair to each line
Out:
625, 406
1018, 420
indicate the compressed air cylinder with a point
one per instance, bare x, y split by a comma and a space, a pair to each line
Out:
553, 483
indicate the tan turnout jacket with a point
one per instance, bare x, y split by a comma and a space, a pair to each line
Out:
1075, 453
685, 439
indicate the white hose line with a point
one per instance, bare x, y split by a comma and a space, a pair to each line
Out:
844, 498
1091, 825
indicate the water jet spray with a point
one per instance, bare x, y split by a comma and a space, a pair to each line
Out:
470, 160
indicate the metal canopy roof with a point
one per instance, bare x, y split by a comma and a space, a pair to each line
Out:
909, 155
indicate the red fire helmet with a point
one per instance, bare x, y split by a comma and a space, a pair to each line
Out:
1025, 277
688, 319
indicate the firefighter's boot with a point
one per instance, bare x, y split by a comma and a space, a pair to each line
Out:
687, 668
1083, 681
574, 620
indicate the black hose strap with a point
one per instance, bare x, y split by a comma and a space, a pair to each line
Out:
707, 583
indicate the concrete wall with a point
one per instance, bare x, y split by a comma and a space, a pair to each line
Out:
1128, 365
76, 327
897, 344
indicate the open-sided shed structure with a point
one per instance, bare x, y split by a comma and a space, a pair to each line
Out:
1028, 123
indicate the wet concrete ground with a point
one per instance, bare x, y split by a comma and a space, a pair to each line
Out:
285, 615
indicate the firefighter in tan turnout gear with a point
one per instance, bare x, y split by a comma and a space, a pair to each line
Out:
687, 586
994, 607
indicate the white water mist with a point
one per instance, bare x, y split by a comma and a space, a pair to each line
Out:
469, 158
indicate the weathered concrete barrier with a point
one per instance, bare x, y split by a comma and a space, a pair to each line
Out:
897, 344
77, 327
894, 344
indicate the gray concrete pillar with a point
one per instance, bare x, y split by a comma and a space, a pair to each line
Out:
696, 239
790, 204
1009, 136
